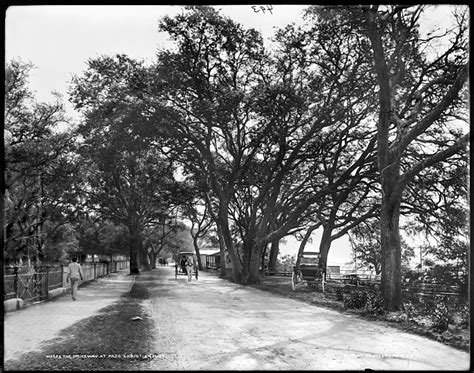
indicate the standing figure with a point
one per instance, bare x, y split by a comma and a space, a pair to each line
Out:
189, 268
74, 273
182, 263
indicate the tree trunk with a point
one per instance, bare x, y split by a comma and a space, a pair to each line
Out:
152, 257
149, 254
254, 266
391, 255
133, 246
247, 255
143, 259
223, 273
251, 265
389, 168
226, 234
324, 247
303, 243
274, 250
468, 275
196, 249
2, 190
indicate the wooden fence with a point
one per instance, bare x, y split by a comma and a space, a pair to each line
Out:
350, 282
32, 284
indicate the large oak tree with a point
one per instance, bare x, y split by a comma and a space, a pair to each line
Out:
128, 171
420, 98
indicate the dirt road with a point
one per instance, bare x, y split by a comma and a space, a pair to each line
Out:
209, 324
212, 324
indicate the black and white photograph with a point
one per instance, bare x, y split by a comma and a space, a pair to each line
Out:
236, 187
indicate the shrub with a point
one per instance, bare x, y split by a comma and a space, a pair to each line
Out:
356, 300
375, 303
410, 310
368, 299
440, 317
462, 316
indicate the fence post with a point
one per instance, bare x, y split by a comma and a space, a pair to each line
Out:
46, 281
324, 281
15, 281
35, 291
63, 278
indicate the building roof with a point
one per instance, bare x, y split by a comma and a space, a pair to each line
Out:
209, 251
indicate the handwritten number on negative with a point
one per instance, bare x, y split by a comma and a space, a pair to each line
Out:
262, 8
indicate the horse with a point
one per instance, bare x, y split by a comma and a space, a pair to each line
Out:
189, 270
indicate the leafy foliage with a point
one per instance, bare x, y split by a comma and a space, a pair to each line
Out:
446, 264
357, 300
440, 317
286, 263
130, 175
40, 166
60, 242
365, 239
370, 300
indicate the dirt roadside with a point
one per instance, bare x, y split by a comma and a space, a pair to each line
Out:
454, 336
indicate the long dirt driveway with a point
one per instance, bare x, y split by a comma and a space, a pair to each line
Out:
213, 324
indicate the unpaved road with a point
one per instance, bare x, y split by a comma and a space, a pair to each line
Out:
212, 324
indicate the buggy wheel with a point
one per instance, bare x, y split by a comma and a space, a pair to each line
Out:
296, 279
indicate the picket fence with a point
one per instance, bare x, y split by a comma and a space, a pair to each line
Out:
35, 284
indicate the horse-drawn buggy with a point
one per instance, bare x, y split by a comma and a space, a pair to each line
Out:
186, 265
308, 271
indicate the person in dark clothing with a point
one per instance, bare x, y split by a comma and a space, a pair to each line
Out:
182, 263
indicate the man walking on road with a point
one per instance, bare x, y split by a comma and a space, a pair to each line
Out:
74, 273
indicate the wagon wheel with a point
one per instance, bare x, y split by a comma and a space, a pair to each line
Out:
296, 279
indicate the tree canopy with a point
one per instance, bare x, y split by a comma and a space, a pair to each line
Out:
351, 120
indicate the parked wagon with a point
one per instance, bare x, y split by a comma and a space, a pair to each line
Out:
180, 267
308, 271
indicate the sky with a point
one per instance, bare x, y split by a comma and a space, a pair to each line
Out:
58, 41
